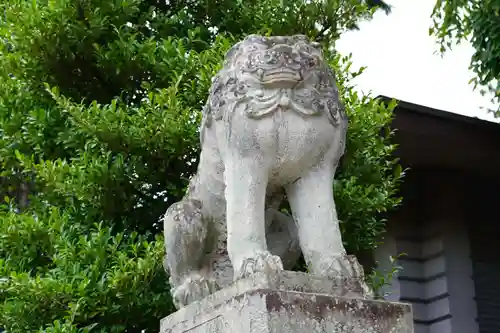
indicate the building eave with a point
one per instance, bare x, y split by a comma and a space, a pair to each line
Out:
433, 138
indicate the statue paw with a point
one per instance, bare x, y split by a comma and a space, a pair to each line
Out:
260, 262
341, 266
194, 288
345, 266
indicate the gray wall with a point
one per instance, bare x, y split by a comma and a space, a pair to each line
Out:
484, 231
437, 278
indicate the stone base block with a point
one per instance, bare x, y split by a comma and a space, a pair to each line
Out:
289, 303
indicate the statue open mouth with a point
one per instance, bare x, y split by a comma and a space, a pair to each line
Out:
282, 75
279, 75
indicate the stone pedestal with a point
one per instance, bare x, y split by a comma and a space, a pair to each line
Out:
290, 302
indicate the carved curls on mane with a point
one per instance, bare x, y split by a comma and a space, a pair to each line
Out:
258, 60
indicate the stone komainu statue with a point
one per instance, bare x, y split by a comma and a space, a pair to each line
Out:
273, 124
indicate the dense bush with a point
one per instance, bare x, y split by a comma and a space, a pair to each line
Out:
99, 110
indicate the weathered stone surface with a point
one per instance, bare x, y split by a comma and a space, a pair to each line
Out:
290, 302
273, 123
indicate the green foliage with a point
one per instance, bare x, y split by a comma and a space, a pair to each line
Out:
87, 276
99, 110
379, 279
479, 22
368, 178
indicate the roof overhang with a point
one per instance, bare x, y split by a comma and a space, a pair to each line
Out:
433, 138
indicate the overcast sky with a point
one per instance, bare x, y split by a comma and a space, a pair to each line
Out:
401, 60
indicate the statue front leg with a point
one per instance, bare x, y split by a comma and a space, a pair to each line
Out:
246, 181
313, 207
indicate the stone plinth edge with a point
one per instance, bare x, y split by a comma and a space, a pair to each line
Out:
290, 302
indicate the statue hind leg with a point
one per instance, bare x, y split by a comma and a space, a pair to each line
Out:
282, 237
185, 241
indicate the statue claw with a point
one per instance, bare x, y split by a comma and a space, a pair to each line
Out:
194, 288
261, 262
340, 266
344, 266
